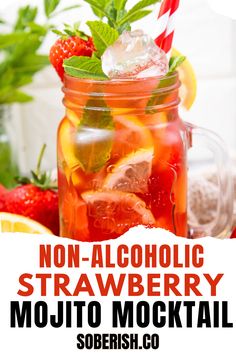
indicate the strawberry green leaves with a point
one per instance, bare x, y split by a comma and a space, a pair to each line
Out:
103, 35
70, 31
84, 68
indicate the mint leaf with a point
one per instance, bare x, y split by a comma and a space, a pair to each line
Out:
102, 4
38, 29
99, 8
120, 4
21, 80
32, 63
30, 45
65, 9
95, 134
7, 40
16, 96
20, 60
84, 68
103, 35
50, 6
26, 15
133, 17
175, 62
143, 4
8, 168
137, 12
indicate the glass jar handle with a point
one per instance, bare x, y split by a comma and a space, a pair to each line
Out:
220, 227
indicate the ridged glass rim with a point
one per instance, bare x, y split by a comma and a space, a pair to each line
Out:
109, 89
123, 80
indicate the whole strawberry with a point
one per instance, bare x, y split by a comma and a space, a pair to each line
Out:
35, 199
72, 42
35, 203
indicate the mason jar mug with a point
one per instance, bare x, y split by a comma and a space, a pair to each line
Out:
122, 160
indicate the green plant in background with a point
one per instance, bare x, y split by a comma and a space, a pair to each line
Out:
19, 48
20, 60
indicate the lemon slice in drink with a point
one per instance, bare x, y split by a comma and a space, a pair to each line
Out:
17, 223
130, 134
188, 90
67, 143
131, 173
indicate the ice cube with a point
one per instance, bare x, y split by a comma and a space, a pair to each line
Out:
134, 55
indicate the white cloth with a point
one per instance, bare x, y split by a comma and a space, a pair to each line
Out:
203, 199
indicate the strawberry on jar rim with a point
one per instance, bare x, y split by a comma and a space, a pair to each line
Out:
71, 43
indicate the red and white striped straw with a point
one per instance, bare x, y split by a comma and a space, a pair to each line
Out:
166, 23
162, 20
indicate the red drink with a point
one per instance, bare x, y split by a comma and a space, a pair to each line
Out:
122, 158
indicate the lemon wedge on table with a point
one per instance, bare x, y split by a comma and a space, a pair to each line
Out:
17, 223
188, 90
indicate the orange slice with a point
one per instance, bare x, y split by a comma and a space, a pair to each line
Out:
17, 223
188, 79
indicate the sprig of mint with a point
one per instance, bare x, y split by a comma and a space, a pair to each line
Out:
137, 12
20, 58
120, 4
105, 34
116, 13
